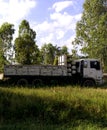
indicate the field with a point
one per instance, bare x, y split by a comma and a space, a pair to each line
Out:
53, 108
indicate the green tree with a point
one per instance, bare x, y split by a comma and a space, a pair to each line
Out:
26, 50
6, 37
6, 47
64, 50
2, 59
91, 30
48, 52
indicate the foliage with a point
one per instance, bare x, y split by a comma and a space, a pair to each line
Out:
6, 37
26, 50
55, 60
91, 30
1, 63
48, 52
69, 107
64, 50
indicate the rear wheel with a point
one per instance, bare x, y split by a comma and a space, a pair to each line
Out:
22, 82
88, 83
37, 82
54, 82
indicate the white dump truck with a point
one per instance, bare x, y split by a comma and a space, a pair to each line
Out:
87, 72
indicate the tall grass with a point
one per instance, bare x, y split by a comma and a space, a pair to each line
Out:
64, 106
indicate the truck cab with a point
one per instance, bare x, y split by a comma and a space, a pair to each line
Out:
90, 71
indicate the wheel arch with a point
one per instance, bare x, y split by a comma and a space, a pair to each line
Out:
88, 82
22, 82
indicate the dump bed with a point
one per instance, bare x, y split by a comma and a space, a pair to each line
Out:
34, 70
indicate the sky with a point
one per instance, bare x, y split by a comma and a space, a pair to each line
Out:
53, 20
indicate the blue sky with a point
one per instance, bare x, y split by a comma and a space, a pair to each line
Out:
53, 20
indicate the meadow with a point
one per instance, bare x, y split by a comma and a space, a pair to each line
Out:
53, 108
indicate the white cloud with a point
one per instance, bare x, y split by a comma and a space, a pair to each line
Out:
15, 10
60, 34
47, 39
60, 27
45, 26
59, 30
59, 6
64, 19
57, 21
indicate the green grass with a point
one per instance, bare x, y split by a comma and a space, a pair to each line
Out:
53, 108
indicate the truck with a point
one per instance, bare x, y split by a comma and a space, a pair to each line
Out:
86, 72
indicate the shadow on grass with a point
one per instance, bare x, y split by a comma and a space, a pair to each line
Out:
19, 107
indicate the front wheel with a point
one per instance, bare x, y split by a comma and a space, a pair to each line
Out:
89, 83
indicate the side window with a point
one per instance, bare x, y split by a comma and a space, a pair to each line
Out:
85, 64
95, 65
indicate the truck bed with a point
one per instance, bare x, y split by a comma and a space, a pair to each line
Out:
35, 70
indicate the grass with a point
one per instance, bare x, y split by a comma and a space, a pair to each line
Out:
53, 108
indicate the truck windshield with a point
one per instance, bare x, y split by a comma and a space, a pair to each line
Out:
95, 65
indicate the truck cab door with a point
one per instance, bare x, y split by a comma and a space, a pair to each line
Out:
96, 71
92, 69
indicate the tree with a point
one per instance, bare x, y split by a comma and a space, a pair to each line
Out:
2, 59
48, 52
91, 30
64, 50
6, 37
26, 50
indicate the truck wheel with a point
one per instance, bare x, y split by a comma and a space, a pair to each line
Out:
53, 82
22, 82
88, 83
37, 82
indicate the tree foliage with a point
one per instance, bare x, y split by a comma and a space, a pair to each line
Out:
26, 50
6, 37
91, 30
64, 50
48, 52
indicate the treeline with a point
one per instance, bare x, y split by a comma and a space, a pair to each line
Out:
91, 38
24, 50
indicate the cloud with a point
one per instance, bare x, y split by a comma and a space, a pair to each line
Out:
47, 39
15, 10
57, 31
59, 6
44, 26
59, 34
64, 20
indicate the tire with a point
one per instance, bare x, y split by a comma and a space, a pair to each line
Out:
88, 83
37, 82
22, 82
53, 82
